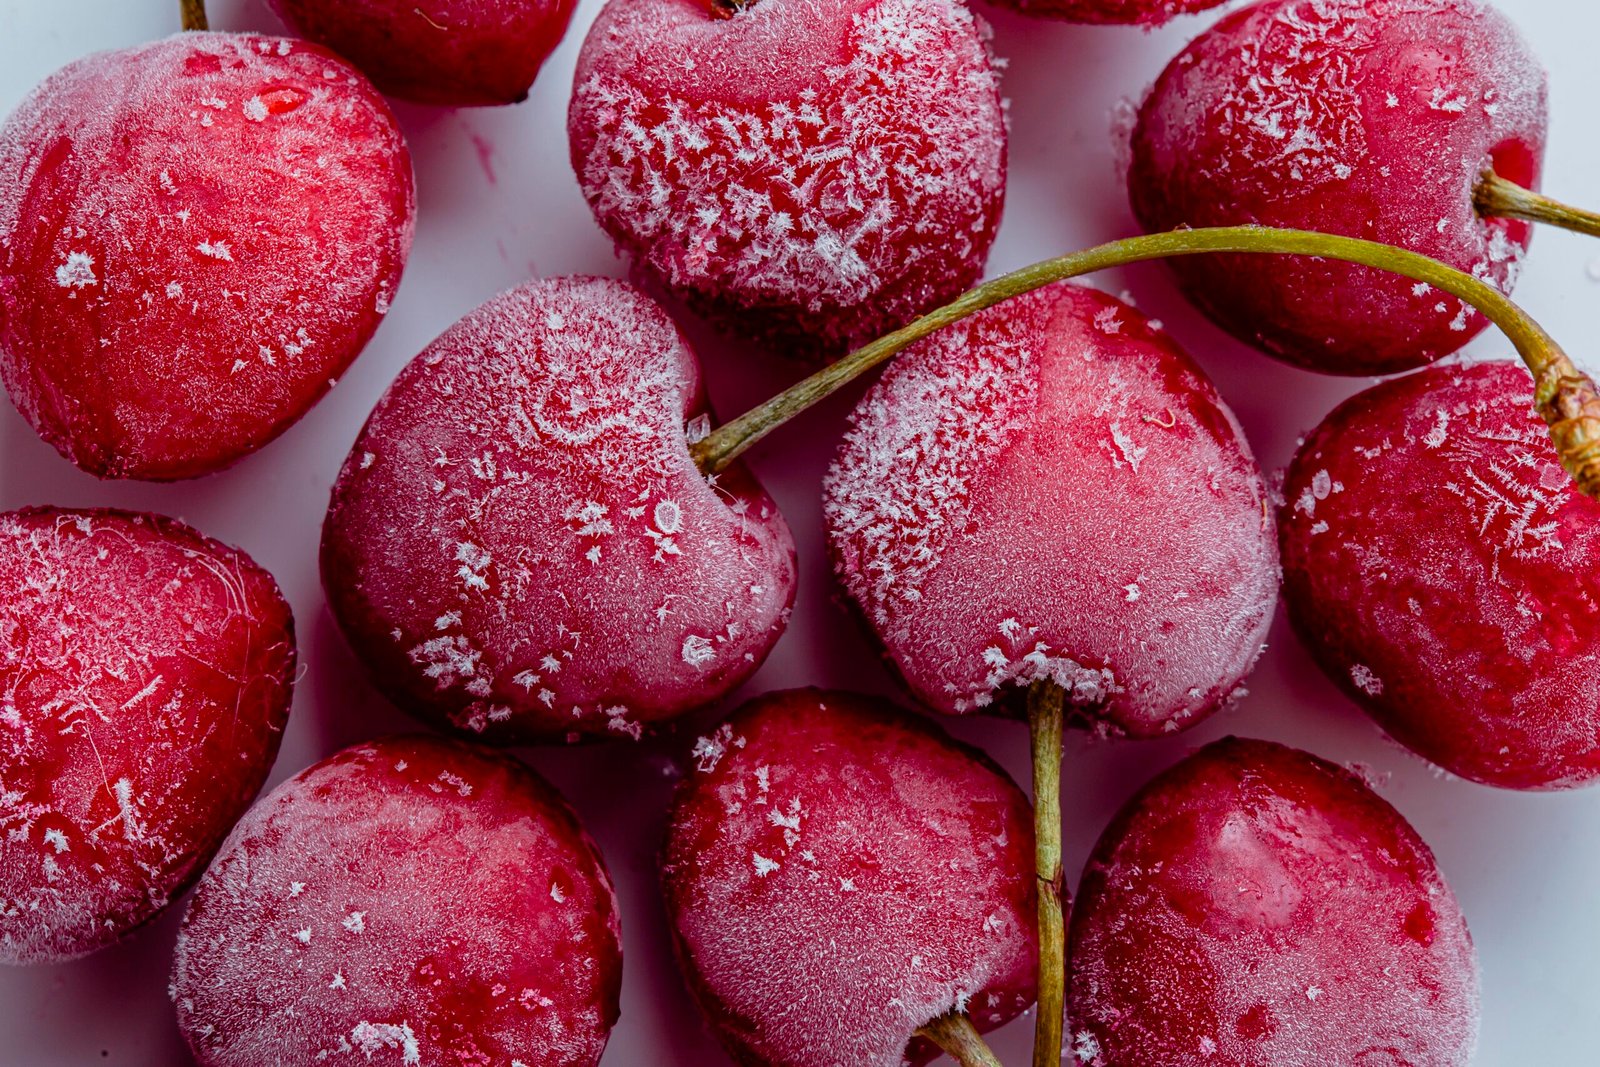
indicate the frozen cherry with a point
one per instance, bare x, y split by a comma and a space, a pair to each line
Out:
1052, 490
813, 195
196, 237
1257, 907
452, 52
408, 901
1140, 12
1445, 571
145, 675
519, 544
838, 874
1372, 118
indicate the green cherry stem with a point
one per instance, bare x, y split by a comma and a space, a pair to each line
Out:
194, 15
1046, 720
955, 1034
1566, 398
1495, 196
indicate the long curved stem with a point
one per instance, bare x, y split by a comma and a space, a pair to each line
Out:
1506, 199
1046, 720
194, 15
1567, 399
957, 1036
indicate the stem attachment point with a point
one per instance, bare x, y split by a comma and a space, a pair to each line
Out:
956, 1035
1498, 198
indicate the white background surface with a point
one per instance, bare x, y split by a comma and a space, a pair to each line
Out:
498, 202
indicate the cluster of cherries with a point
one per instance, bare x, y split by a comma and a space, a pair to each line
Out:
1042, 507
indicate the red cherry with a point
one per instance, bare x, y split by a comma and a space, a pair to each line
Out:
1445, 572
145, 675
1122, 12
1371, 118
196, 237
813, 194
1051, 489
1257, 906
409, 901
452, 52
519, 544
838, 874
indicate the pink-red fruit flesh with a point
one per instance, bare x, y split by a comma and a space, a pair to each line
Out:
1367, 118
838, 873
519, 545
1051, 489
812, 194
197, 236
145, 676
408, 901
1445, 572
1108, 12
451, 52
1255, 906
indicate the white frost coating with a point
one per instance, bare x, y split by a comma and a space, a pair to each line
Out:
1026, 496
904, 887
536, 548
77, 272
370, 1038
412, 889
1363, 679
144, 677
844, 174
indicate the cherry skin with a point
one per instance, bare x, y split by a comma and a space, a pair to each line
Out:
196, 237
1256, 906
1109, 12
1369, 118
519, 545
838, 873
812, 195
1051, 489
145, 676
412, 900
1445, 572
451, 52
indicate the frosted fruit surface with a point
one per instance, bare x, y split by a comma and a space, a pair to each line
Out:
1052, 489
1445, 572
197, 236
452, 52
1368, 118
838, 873
1139, 12
519, 545
410, 901
1257, 907
145, 677
813, 173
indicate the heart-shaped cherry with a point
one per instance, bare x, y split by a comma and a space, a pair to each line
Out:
1446, 573
196, 237
519, 544
1109, 12
407, 901
1412, 122
145, 675
1255, 905
451, 52
812, 194
840, 874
